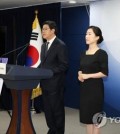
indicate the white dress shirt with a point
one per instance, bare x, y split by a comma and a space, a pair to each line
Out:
50, 42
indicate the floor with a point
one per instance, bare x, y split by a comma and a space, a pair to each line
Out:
72, 124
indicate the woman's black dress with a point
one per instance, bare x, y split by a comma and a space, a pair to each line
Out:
92, 90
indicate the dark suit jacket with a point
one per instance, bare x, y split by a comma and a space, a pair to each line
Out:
56, 60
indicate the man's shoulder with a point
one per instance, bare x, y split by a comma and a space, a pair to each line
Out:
59, 41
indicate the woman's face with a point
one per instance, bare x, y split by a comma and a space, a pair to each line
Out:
90, 37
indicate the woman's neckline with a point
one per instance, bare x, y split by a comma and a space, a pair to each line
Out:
93, 53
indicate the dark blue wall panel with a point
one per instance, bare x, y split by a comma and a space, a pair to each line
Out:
75, 22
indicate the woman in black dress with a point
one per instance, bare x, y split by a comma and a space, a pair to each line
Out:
93, 67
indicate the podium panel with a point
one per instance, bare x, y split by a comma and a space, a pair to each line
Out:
21, 80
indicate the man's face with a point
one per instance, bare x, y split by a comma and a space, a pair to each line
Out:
47, 33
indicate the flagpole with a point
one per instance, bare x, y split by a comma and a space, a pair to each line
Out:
32, 107
36, 41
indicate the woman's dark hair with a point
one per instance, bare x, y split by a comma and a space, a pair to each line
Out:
97, 32
51, 24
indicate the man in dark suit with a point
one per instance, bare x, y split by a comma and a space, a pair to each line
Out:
56, 59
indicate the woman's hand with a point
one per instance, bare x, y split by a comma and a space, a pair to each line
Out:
85, 76
80, 78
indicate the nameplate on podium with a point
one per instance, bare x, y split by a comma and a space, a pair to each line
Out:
2, 68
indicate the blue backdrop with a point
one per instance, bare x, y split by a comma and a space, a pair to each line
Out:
75, 22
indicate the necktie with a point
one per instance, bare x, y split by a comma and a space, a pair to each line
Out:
46, 48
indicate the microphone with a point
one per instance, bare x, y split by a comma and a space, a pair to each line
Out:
14, 50
21, 52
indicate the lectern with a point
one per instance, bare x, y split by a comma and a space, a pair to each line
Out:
21, 80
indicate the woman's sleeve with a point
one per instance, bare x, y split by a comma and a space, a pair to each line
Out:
103, 59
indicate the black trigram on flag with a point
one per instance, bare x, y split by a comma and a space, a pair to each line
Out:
34, 36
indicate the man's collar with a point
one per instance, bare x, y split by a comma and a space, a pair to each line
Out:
51, 40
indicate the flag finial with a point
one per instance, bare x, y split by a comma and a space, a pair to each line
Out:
35, 22
36, 12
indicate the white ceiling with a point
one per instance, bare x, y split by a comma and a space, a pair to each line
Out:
8, 4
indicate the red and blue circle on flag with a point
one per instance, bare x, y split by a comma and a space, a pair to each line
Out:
32, 56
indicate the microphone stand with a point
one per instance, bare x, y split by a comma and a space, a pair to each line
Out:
13, 50
21, 52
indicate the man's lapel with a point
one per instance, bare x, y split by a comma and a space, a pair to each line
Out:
43, 52
50, 50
